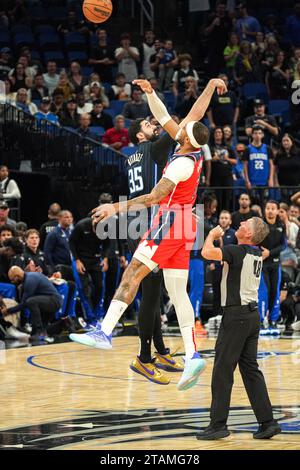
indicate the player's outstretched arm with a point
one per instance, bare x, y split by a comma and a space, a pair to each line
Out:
200, 106
158, 193
158, 109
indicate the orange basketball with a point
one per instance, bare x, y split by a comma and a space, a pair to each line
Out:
97, 11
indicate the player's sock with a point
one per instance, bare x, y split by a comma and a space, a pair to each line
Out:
113, 315
176, 282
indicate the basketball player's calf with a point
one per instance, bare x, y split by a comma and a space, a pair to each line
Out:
124, 296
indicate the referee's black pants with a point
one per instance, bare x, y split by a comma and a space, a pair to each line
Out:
237, 344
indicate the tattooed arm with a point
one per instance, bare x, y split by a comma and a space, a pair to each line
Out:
158, 193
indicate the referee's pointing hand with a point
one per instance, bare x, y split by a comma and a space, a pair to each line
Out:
216, 232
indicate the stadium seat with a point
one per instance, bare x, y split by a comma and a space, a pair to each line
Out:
251, 91
57, 56
286, 117
170, 100
79, 56
57, 14
128, 150
98, 131
263, 12
36, 102
35, 55
49, 41
4, 39
21, 28
93, 40
107, 87
285, 13
44, 28
38, 14
111, 112
87, 71
117, 106
278, 107
24, 39
128, 122
75, 41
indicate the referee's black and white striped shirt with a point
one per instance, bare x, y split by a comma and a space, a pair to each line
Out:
241, 275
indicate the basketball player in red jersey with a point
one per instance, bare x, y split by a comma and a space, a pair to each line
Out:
168, 243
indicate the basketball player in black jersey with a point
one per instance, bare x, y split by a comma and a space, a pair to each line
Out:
144, 169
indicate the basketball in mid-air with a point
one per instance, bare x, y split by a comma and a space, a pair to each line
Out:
97, 11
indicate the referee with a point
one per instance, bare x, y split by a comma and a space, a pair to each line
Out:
239, 332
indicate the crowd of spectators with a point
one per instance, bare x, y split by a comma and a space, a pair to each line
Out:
241, 50
251, 150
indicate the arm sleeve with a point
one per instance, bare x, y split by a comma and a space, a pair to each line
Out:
13, 191
180, 169
207, 153
161, 148
158, 109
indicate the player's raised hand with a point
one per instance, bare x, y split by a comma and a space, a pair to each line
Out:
103, 212
219, 85
145, 85
216, 232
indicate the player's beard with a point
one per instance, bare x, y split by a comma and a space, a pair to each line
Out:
154, 138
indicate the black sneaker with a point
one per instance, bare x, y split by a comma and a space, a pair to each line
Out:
213, 432
267, 430
69, 324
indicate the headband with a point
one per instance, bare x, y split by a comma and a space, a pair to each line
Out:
189, 131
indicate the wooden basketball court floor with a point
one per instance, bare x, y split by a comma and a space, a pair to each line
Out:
67, 396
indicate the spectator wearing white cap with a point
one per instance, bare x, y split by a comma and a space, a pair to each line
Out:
96, 91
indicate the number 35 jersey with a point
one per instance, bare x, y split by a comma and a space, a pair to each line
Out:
145, 168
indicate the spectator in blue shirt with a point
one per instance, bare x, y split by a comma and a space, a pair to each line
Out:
246, 26
45, 113
56, 248
258, 161
292, 27
39, 295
